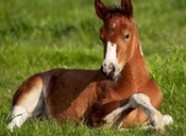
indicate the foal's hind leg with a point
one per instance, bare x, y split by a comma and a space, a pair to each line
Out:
28, 101
18, 116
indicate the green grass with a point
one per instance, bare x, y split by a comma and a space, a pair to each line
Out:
39, 35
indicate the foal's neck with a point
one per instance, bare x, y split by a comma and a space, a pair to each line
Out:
135, 71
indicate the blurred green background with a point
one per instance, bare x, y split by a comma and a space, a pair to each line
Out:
37, 35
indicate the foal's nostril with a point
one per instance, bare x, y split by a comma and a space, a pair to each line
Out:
108, 70
111, 67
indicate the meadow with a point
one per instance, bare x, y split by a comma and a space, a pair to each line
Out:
39, 35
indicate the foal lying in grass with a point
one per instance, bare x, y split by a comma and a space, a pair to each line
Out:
121, 93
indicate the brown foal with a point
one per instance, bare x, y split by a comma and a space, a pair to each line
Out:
121, 93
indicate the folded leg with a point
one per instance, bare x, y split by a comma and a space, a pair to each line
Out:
139, 101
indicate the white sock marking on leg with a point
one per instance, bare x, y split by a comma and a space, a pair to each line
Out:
17, 117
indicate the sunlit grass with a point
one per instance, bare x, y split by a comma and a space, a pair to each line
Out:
39, 35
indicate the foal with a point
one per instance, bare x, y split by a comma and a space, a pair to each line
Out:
121, 93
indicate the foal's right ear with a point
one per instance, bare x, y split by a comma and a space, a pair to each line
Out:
101, 10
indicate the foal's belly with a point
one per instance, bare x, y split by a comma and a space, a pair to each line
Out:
73, 107
70, 96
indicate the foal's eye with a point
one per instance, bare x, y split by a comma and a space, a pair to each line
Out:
126, 36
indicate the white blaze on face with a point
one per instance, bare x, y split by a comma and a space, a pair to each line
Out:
110, 56
110, 63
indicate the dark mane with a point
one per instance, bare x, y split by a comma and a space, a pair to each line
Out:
115, 9
118, 10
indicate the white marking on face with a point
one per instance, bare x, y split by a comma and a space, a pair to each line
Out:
110, 56
111, 59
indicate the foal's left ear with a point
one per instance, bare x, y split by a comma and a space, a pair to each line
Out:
101, 10
126, 7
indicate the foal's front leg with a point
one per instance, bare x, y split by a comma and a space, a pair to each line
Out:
141, 101
157, 120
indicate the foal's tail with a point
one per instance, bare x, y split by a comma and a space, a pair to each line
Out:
28, 101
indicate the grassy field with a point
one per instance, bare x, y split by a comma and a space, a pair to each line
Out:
38, 35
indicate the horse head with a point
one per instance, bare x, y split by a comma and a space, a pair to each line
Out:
118, 35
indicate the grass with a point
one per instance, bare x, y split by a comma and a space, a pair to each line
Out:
39, 35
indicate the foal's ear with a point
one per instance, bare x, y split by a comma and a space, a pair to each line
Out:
126, 7
101, 10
